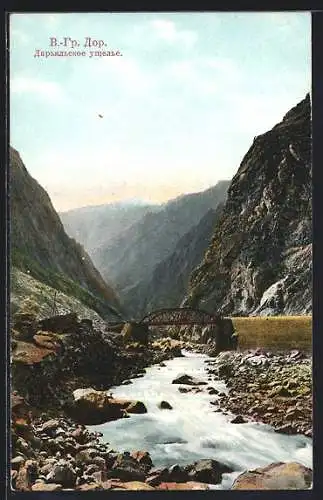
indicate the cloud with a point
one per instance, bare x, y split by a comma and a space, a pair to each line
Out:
21, 84
167, 30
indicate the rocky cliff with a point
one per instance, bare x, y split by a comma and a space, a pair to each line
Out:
170, 278
40, 246
260, 257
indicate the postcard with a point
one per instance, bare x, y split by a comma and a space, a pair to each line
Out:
160, 251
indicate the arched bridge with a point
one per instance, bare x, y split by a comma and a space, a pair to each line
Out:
223, 333
180, 316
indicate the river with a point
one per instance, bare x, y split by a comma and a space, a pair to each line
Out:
192, 430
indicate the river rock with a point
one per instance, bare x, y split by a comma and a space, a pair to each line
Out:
46, 487
207, 471
93, 407
62, 473
89, 487
187, 380
62, 323
143, 458
157, 475
50, 427
189, 485
27, 475
164, 405
99, 462
134, 406
135, 485
238, 420
276, 476
127, 468
86, 456
17, 462
183, 389
177, 474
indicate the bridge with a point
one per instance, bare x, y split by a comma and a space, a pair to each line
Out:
174, 316
180, 316
222, 332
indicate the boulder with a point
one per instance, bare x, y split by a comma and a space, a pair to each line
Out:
238, 420
25, 325
133, 406
183, 389
17, 462
189, 485
187, 380
134, 332
157, 475
212, 390
207, 471
89, 487
276, 476
164, 405
86, 456
26, 476
46, 487
127, 468
62, 473
91, 407
143, 458
177, 474
135, 485
62, 323
50, 427
47, 340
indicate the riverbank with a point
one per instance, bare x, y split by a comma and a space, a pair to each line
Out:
275, 389
51, 451
180, 444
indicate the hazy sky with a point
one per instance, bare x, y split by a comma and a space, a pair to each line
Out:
180, 107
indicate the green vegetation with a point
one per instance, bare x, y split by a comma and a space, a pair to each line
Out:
56, 280
274, 332
23, 286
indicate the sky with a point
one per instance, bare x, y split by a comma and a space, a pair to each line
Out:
181, 104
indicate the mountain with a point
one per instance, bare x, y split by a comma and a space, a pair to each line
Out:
40, 246
170, 278
260, 258
97, 226
130, 260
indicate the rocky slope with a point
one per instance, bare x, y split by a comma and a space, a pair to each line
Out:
170, 278
40, 246
259, 260
132, 258
48, 299
272, 388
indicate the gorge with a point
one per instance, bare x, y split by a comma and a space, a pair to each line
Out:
242, 249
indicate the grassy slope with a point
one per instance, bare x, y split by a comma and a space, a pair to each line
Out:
274, 332
24, 285
58, 281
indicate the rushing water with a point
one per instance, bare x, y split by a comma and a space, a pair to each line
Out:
192, 430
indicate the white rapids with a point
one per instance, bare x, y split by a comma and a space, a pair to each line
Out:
192, 430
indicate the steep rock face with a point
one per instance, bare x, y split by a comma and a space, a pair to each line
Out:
259, 260
132, 258
170, 278
40, 246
